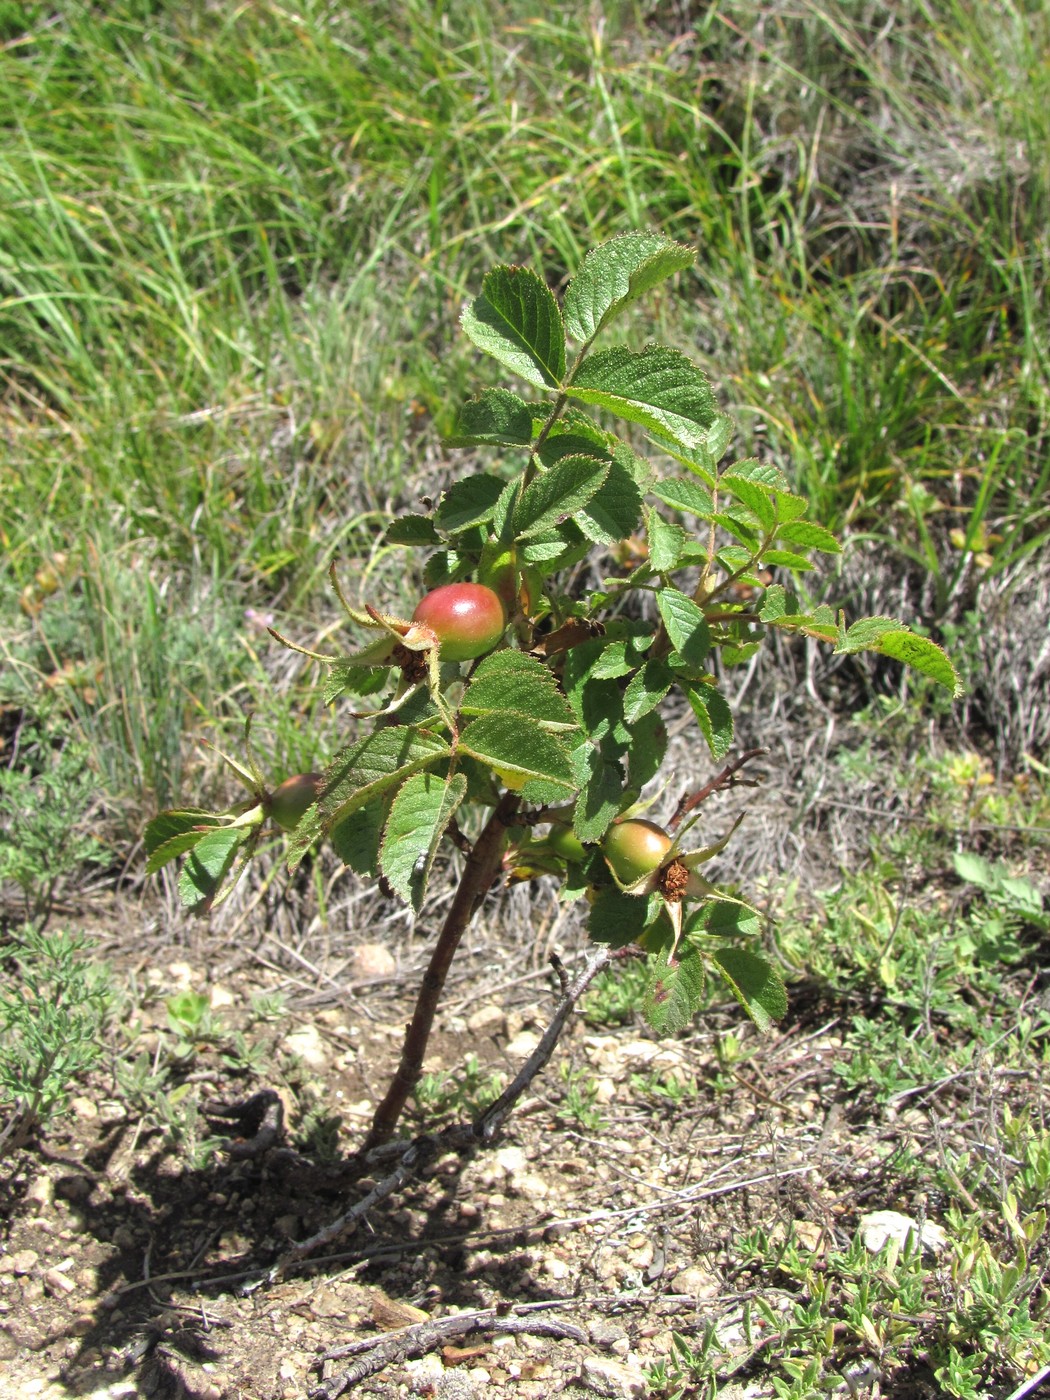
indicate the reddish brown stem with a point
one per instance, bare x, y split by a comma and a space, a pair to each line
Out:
726, 779
479, 873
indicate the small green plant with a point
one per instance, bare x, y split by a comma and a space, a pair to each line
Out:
692, 1368
599, 587
43, 806
1016, 899
53, 1009
579, 1101
616, 996
465, 1092
665, 1084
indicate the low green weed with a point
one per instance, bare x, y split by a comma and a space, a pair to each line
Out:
579, 1099
53, 1012
464, 1093
616, 996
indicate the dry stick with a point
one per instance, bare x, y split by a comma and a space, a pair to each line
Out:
479, 873
460, 1137
424, 1336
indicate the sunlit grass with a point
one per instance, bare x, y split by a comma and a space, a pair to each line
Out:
235, 241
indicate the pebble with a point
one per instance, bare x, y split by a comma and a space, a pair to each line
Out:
372, 960
696, 1282
22, 1262
307, 1044
58, 1282
41, 1191
487, 1020
605, 1376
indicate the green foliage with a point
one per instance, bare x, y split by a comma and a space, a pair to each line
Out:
53, 1008
43, 809
463, 1094
566, 713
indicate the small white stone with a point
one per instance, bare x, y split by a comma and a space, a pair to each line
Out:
522, 1046
881, 1226
487, 1020
372, 960
511, 1160
605, 1376
307, 1044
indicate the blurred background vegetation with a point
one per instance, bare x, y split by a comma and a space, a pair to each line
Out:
235, 239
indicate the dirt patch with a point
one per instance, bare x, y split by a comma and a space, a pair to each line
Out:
614, 1215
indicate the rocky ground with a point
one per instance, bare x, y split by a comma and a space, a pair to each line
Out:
611, 1213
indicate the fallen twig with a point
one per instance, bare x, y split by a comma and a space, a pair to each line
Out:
377, 1352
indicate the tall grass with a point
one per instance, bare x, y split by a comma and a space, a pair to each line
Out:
234, 241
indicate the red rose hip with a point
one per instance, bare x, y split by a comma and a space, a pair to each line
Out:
467, 618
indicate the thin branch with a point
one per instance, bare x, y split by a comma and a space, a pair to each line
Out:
459, 1137
720, 783
479, 873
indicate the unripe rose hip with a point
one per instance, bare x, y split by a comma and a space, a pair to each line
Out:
635, 848
468, 619
289, 801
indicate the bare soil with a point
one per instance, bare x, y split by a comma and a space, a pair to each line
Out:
127, 1271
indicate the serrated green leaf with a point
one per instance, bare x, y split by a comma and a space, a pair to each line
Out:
675, 991
784, 559
517, 750
419, 816
613, 662
517, 321
615, 274
758, 498
616, 919
666, 541
718, 918
615, 510
805, 534
866, 633
509, 682
575, 435
657, 387
713, 715
174, 847
595, 702
556, 549
685, 624
776, 603
365, 770
685, 494
647, 749
559, 493
494, 417
415, 530
601, 792
469, 502
348, 678
357, 837
921, 654
755, 983
207, 866
646, 689
176, 822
